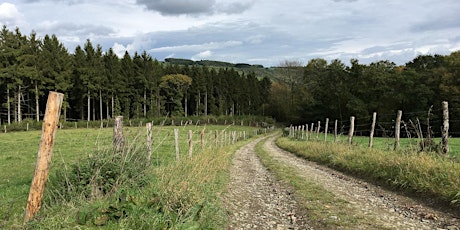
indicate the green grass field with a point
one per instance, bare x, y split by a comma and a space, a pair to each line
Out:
387, 143
18, 152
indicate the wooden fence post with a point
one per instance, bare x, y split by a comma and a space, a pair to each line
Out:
149, 141
118, 139
352, 130
216, 137
326, 126
335, 130
306, 133
397, 129
202, 139
176, 142
45, 151
190, 143
371, 136
445, 127
317, 130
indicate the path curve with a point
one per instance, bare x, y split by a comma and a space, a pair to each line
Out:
257, 201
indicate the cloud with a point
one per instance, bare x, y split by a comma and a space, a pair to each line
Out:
195, 7
178, 7
234, 7
202, 55
9, 15
344, 0
69, 28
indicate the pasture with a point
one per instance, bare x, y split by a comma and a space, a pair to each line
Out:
18, 152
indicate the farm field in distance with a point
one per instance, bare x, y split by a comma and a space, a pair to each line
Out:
18, 153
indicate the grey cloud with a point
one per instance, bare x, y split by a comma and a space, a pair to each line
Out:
195, 7
344, 0
178, 7
439, 24
74, 29
235, 7
68, 2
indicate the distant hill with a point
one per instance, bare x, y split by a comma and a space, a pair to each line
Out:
259, 70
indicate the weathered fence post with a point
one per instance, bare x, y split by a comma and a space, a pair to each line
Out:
190, 143
397, 129
202, 139
317, 130
445, 127
326, 126
371, 136
176, 142
216, 137
149, 141
45, 151
306, 133
335, 130
352, 130
118, 139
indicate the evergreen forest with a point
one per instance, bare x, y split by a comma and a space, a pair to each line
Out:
100, 85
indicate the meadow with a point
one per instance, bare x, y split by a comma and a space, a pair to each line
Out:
427, 175
167, 182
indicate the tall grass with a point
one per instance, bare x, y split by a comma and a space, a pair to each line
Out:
425, 174
91, 186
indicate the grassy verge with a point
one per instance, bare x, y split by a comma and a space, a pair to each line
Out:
427, 175
165, 194
323, 209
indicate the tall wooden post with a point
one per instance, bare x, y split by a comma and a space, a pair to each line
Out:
306, 133
118, 140
45, 151
176, 142
397, 129
190, 143
445, 128
371, 136
317, 130
216, 137
202, 139
149, 141
335, 130
326, 127
352, 130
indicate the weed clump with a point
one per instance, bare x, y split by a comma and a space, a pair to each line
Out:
101, 174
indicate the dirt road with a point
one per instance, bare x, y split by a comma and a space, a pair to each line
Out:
256, 200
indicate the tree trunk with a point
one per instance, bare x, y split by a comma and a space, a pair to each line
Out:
19, 105
185, 106
113, 106
158, 103
198, 104
100, 104
89, 106
145, 102
8, 105
206, 104
37, 106
94, 109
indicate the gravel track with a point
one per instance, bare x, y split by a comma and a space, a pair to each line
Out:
256, 200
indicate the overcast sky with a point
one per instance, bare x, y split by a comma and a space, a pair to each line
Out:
265, 32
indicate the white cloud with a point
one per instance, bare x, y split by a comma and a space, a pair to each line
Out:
202, 55
10, 15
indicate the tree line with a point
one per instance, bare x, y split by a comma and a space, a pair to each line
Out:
322, 89
99, 85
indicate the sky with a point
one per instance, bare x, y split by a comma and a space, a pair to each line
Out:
265, 32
